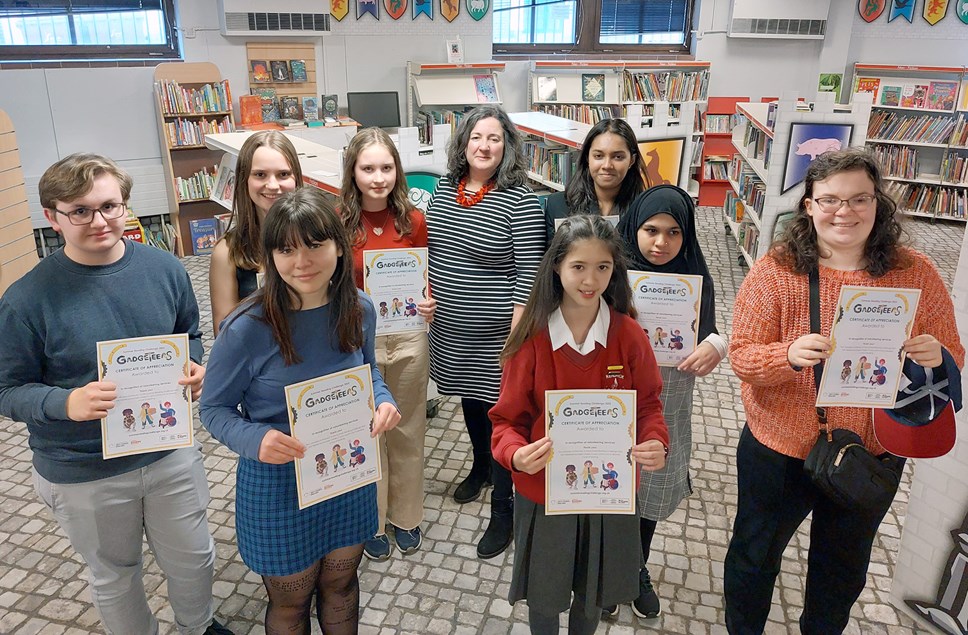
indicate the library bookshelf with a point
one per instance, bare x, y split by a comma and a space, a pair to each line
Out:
441, 93
919, 132
192, 100
18, 250
717, 149
589, 91
764, 142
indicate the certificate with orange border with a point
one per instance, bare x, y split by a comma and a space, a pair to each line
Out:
396, 280
591, 469
333, 416
864, 367
152, 411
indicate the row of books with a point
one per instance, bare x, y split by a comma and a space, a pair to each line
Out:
751, 188
278, 71
715, 169
899, 161
758, 145
550, 163
178, 100
425, 120
896, 126
954, 169
930, 199
697, 152
266, 106
191, 132
901, 93
734, 207
580, 112
195, 187
960, 135
665, 86
719, 124
749, 239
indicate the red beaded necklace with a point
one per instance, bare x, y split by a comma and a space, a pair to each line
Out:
477, 197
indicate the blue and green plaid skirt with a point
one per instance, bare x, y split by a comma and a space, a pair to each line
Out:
276, 538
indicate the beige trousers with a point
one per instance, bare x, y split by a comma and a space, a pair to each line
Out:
403, 361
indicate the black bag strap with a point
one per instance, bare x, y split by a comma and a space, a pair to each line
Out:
814, 277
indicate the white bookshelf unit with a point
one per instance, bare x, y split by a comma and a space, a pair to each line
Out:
757, 169
441, 93
919, 131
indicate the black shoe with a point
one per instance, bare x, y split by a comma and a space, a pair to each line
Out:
498, 535
216, 628
470, 489
610, 612
647, 604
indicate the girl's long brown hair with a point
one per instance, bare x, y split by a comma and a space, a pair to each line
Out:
351, 199
547, 291
244, 235
305, 217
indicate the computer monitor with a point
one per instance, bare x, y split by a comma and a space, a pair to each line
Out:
380, 109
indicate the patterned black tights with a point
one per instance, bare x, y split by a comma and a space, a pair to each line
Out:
332, 580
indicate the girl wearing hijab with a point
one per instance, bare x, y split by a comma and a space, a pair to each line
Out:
659, 232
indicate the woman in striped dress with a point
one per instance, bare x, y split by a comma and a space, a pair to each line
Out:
486, 237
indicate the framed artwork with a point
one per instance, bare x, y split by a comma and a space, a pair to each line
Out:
663, 160
807, 142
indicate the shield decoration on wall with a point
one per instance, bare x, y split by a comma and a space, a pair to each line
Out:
450, 9
339, 8
425, 7
934, 11
367, 6
870, 10
963, 10
903, 9
395, 8
477, 8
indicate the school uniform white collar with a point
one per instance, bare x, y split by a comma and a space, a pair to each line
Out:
598, 333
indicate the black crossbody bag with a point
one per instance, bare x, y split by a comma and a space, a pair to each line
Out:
839, 464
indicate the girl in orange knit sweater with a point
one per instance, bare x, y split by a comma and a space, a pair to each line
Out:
577, 332
846, 226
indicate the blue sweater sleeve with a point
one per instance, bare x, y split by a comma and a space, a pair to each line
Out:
381, 393
23, 397
227, 375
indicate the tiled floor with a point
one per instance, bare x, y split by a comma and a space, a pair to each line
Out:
444, 588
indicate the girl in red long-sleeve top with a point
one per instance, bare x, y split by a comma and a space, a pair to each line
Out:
578, 331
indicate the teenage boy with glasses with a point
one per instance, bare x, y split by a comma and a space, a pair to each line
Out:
100, 287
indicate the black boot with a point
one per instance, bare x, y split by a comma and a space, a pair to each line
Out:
500, 531
470, 488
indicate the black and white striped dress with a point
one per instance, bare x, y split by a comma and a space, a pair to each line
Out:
482, 259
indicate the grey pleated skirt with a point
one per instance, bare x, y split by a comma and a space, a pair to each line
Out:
594, 555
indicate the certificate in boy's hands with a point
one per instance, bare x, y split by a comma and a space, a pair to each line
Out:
396, 280
668, 308
864, 367
591, 469
333, 417
152, 411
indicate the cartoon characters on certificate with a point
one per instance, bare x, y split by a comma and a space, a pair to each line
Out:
659, 337
167, 419
859, 371
356, 458
608, 481
146, 412
129, 420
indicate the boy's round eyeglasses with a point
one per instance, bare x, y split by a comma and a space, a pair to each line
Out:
831, 204
85, 215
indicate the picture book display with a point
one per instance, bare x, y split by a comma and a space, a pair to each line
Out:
280, 71
250, 109
593, 87
942, 95
204, 235
260, 71
267, 103
547, 89
891, 96
310, 108
830, 83
486, 89
297, 70
914, 95
290, 108
867, 85
330, 106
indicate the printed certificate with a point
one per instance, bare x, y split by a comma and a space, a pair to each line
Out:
152, 412
668, 306
396, 280
333, 416
864, 368
591, 469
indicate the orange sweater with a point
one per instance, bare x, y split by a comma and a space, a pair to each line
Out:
773, 309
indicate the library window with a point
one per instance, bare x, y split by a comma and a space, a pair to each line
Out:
525, 26
71, 30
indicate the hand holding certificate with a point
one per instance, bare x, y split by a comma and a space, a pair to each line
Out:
396, 280
591, 469
333, 418
153, 409
867, 338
